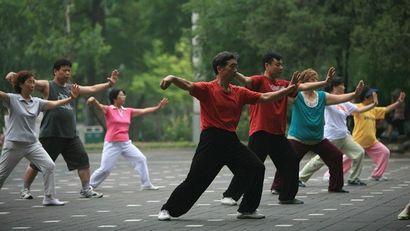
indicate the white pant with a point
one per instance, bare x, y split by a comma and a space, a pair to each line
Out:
111, 152
13, 152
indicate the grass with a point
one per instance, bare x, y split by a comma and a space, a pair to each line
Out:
97, 147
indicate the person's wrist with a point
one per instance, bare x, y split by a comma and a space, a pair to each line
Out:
110, 83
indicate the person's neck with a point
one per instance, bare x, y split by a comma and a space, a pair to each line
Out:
365, 103
270, 76
59, 82
223, 82
25, 95
119, 106
309, 93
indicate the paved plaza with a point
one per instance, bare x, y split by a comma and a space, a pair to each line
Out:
124, 207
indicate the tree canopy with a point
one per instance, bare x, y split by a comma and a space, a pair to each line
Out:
147, 40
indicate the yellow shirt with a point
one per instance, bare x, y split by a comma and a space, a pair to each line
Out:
364, 131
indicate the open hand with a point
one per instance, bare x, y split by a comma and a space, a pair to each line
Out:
75, 91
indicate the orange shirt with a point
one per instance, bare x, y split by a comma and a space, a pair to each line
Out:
220, 109
269, 117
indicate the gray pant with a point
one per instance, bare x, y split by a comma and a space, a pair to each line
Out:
13, 152
349, 147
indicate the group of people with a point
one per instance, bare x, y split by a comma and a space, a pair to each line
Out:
58, 131
318, 124
221, 104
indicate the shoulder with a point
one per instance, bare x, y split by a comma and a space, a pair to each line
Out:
203, 84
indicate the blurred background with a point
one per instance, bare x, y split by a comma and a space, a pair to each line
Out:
148, 39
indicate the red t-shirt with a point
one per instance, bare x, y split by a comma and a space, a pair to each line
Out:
269, 117
220, 109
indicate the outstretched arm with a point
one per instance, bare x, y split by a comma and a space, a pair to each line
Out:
336, 99
161, 104
112, 80
399, 101
315, 85
92, 101
177, 81
3, 95
247, 81
370, 106
75, 89
276, 95
40, 85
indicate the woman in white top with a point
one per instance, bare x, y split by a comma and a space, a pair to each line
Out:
336, 131
20, 139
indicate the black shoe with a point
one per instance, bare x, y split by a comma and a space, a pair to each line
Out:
356, 182
291, 202
338, 191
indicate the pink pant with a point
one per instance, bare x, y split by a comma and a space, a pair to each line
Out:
379, 154
380, 157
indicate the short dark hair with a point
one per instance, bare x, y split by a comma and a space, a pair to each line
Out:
60, 63
336, 81
269, 57
221, 59
22, 76
114, 94
367, 92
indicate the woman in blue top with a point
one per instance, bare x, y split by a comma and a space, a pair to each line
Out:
306, 128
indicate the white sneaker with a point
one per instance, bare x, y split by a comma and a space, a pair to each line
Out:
149, 187
381, 178
274, 192
90, 193
50, 201
25, 194
253, 215
228, 201
163, 215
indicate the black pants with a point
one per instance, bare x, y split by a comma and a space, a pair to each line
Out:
217, 148
283, 156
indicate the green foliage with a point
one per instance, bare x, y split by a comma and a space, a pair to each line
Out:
147, 40
176, 117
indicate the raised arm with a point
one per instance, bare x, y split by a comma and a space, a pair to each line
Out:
112, 80
161, 105
370, 106
247, 81
43, 87
315, 85
276, 95
336, 99
3, 95
399, 101
94, 102
40, 85
75, 89
177, 81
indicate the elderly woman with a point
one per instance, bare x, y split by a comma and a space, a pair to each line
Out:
20, 139
306, 128
336, 131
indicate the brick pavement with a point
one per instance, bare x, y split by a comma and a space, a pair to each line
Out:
124, 207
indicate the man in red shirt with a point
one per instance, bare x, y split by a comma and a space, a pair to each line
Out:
267, 128
221, 105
